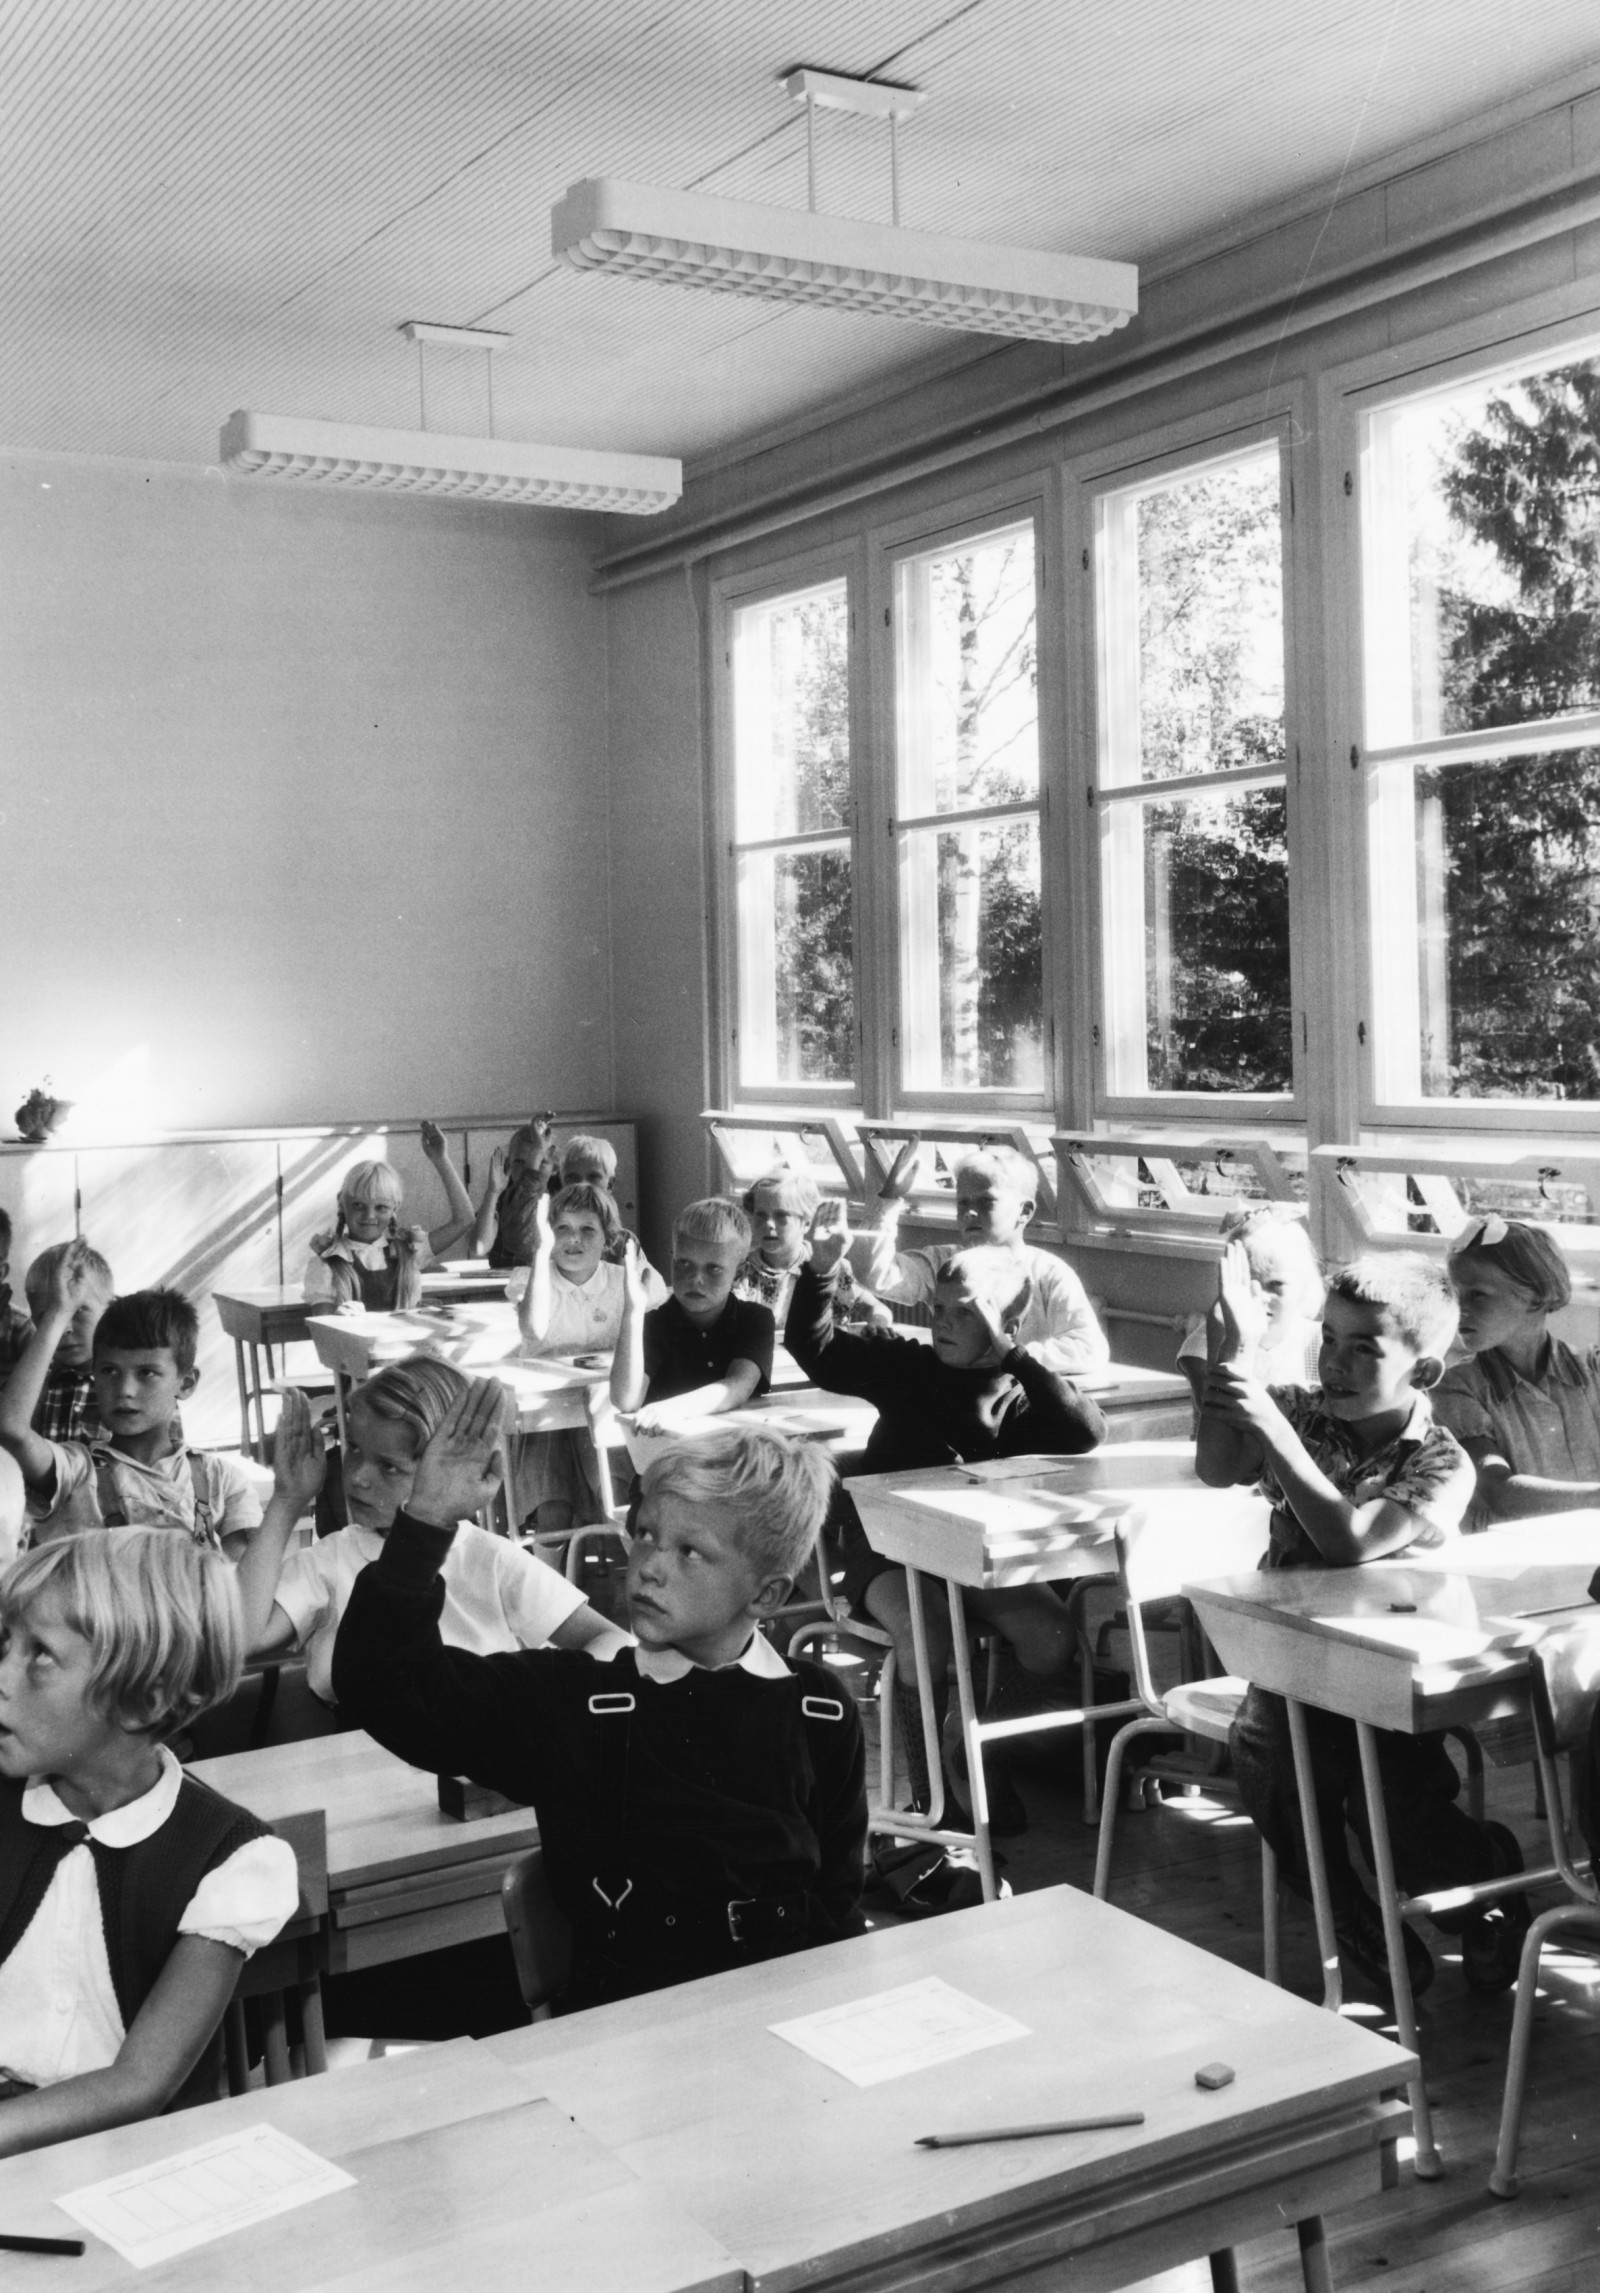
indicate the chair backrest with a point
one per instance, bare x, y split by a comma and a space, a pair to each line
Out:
307, 1834
541, 1936
1566, 1682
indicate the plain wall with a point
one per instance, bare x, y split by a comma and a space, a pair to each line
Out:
302, 801
658, 893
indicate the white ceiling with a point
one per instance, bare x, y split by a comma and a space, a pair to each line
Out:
207, 204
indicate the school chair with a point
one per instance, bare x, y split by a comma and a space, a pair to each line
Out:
288, 1970
1564, 1685
13, 1507
541, 1936
1152, 1570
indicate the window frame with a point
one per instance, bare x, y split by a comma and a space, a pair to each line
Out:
1216, 435
792, 577
1548, 331
946, 527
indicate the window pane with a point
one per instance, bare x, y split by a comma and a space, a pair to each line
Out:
970, 957
1211, 908
796, 953
791, 697
1482, 575
1191, 605
968, 676
1508, 927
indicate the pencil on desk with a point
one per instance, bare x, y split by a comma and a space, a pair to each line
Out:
1029, 2133
41, 2244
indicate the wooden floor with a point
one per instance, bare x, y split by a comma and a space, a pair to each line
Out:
1193, 1867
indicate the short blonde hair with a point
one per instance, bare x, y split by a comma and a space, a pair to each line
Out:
1005, 1167
593, 1201
713, 1219
796, 1191
779, 1490
583, 1147
161, 1615
991, 1273
418, 1393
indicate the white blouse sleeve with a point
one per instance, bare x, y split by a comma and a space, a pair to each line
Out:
244, 1901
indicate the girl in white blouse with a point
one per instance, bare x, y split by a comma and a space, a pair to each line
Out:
130, 1894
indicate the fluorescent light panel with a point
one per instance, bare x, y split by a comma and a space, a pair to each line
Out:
453, 469
684, 238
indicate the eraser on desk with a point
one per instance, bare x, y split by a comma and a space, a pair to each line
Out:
470, 1802
1214, 2074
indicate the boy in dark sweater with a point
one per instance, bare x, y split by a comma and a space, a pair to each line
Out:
701, 1802
972, 1394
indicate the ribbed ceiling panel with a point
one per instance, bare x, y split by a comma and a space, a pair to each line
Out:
207, 204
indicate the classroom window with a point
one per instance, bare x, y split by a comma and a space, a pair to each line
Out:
793, 870
1480, 507
967, 852
1190, 781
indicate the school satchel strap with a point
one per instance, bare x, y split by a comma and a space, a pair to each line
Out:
114, 1513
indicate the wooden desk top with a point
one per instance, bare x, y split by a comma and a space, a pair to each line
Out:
1029, 1520
279, 1315
384, 1818
1411, 1643
461, 2182
811, 2181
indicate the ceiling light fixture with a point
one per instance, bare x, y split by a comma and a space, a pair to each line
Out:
449, 468
736, 246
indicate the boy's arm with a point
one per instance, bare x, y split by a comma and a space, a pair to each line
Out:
170, 2032
1059, 1416
70, 1284
1345, 1534
741, 1383
462, 1216
1513, 1496
533, 1308
1227, 1450
628, 1383
587, 1628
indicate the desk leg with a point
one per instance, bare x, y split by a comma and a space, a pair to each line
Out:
1316, 1861
1224, 2271
1315, 2267
925, 1703
1428, 2167
972, 1737
244, 1397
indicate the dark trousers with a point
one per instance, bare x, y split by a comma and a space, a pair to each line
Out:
1435, 1842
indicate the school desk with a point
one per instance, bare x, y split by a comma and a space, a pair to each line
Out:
812, 2182
403, 1877
1038, 1520
463, 2181
262, 1322
1421, 1642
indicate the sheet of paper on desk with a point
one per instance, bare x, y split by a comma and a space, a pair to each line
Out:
895, 2032
176, 2203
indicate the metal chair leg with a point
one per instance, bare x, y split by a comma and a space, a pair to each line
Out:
1503, 2181
1271, 1966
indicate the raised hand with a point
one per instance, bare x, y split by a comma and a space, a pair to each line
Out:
634, 1268
413, 1242
1241, 1306
70, 1280
299, 1459
497, 1171
543, 1232
902, 1173
828, 1235
433, 1145
460, 1470
1002, 1336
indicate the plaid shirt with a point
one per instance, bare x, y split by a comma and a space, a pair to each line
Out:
66, 1410
1424, 1469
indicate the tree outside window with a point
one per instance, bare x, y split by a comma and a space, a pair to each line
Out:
794, 915
1190, 781
967, 838
1481, 571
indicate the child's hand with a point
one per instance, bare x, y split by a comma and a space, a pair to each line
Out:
1240, 1303
70, 1281
902, 1173
433, 1145
634, 1269
829, 1235
1240, 1401
299, 1460
412, 1242
460, 1470
1002, 1337
497, 1171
